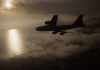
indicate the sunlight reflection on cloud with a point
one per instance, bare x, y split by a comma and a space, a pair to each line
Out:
14, 42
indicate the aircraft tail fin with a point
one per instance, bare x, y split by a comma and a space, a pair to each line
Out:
78, 22
54, 20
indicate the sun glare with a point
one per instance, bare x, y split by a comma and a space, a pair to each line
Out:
8, 4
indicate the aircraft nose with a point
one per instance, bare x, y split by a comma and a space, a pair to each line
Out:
36, 28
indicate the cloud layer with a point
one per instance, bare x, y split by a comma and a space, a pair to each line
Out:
57, 7
48, 51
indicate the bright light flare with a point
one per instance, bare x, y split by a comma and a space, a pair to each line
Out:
14, 42
8, 4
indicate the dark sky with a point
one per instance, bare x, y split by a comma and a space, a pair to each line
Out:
31, 11
79, 50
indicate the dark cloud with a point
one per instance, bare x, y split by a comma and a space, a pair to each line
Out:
92, 26
25, 11
71, 51
64, 7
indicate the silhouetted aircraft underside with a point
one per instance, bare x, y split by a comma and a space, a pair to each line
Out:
51, 25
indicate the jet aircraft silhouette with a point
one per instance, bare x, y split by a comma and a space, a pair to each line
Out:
51, 25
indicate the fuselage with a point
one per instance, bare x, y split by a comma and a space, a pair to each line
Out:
57, 28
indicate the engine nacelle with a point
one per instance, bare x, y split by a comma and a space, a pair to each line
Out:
62, 33
47, 22
54, 32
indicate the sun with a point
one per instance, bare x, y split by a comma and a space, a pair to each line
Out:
8, 4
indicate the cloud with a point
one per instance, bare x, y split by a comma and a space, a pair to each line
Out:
47, 45
27, 12
57, 7
51, 51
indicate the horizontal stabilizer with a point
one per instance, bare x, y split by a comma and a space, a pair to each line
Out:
53, 21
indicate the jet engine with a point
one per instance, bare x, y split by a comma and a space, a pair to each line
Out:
54, 32
62, 33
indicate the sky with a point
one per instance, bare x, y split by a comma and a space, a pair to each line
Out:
79, 49
28, 12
